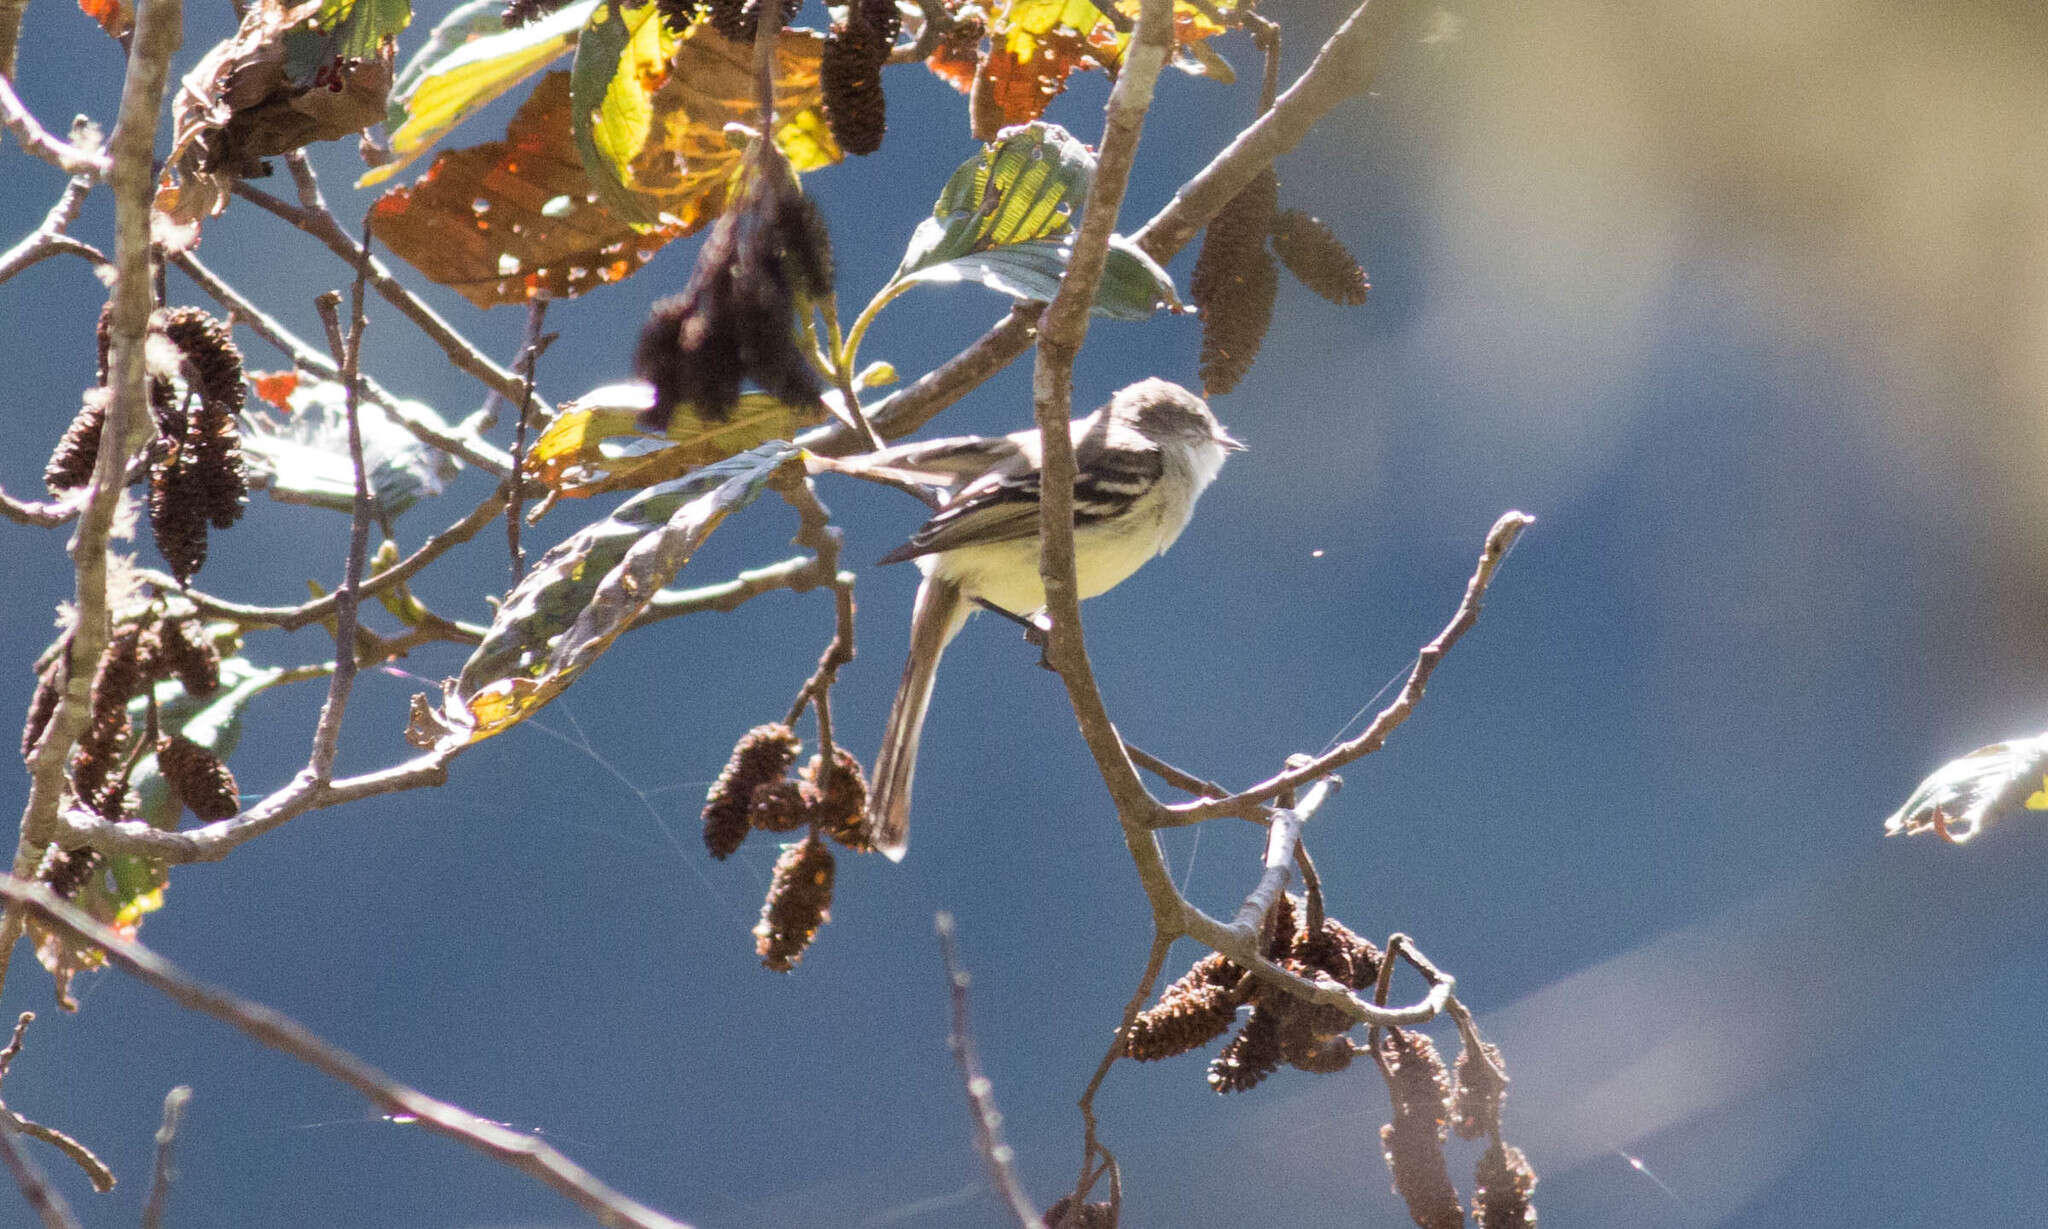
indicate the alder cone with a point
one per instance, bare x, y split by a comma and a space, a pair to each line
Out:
763, 754
779, 806
851, 77
799, 902
66, 871
72, 460
1063, 1214
1250, 1057
178, 505
1235, 282
198, 777
212, 440
1318, 259
179, 647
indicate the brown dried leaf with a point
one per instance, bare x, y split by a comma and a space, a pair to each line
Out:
507, 220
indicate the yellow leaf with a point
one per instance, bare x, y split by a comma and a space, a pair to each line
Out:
571, 456
2038, 800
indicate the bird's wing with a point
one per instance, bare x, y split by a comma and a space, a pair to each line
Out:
999, 506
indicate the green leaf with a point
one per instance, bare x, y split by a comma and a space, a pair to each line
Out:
621, 52
303, 458
468, 61
1005, 220
584, 593
361, 27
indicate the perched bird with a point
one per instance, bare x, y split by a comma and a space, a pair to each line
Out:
1141, 461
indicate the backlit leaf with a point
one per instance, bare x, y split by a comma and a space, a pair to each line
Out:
595, 444
116, 17
582, 594
504, 221
1965, 795
468, 61
302, 458
361, 27
650, 110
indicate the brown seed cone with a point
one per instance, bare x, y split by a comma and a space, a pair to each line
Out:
1324, 1057
781, 805
180, 647
1087, 1216
1505, 1186
118, 679
520, 12
736, 19
209, 347
1412, 1144
799, 901
1186, 1017
178, 505
66, 871
763, 754
1235, 282
886, 19
839, 796
72, 460
1481, 1088
1281, 928
1318, 259
1342, 953
850, 76
42, 706
1250, 1057
198, 777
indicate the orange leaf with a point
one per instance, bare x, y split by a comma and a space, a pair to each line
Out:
1018, 89
116, 17
507, 220
276, 387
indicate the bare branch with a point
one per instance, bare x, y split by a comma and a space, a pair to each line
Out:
981, 1094
1343, 67
319, 222
43, 514
1499, 540
49, 238
459, 443
166, 1135
1241, 945
348, 354
529, 355
798, 574
520, 1150
1283, 838
41, 142
1090, 1144
48, 1204
158, 31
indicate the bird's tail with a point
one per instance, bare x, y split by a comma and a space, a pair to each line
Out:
937, 618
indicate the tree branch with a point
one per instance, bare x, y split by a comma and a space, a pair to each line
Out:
527, 1153
35, 1188
40, 141
981, 1094
1499, 540
158, 31
49, 238
160, 1178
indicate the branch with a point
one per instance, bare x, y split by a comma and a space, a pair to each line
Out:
988, 1120
909, 408
158, 31
1344, 66
798, 574
1283, 839
40, 141
459, 443
1241, 945
317, 220
211, 842
319, 610
49, 239
96, 1170
48, 1204
527, 1153
166, 1135
1499, 540
1061, 331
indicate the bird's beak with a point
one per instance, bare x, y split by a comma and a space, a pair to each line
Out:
1230, 442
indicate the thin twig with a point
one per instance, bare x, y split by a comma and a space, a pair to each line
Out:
348, 354
520, 1150
1090, 1144
1499, 540
981, 1094
43, 514
1283, 837
158, 31
1344, 66
49, 1206
160, 1178
816, 531
43, 143
49, 238
529, 355
462, 444
320, 222
797, 574
13, 1050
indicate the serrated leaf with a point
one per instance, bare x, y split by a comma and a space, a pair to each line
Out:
585, 592
595, 444
650, 112
508, 220
1967, 794
1005, 220
361, 27
303, 458
470, 60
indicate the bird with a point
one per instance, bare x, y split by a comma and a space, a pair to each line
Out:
1141, 461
